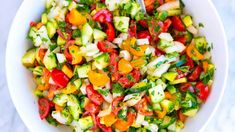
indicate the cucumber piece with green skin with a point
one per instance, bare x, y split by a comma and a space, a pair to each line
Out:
78, 83
63, 117
135, 8
44, 18
60, 41
33, 33
49, 3
72, 5
38, 93
170, 76
174, 12
121, 23
156, 94
67, 115
102, 61
171, 89
29, 58
83, 70
74, 106
140, 87
49, 60
84, 101
87, 33
51, 28
167, 121
38, 70
60, 99
157, 106
178, 81
201, 44
167, 105
191, 112
187, 20
122, 113
52, 121
188, 36
85, 122
99, 35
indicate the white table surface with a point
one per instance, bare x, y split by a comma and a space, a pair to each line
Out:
223, 121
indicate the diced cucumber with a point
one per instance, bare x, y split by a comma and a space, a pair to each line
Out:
162, 44
140, 87
167, 121
72, 5
83, 70
49, 3
63, 117
44, 18
99, 35
157, 107
85, 122
38, 70
51, 121
187, 20
178, 81
191, 112
38, 93
172, 127
87, 32
61, 58
170, 76
66, 114
51, 28
201, 44
174, 12
188, 36
135, 8
157, 93
60, 41
122, 113
49, 60
33, 33
121, 23
167, 105
60, 99
78, 83
112, 4
171, 89
84, 101
29, 58
102, 61
74, 106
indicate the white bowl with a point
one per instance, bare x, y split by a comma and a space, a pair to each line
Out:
20, 81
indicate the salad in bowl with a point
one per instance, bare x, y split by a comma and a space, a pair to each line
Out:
105, 65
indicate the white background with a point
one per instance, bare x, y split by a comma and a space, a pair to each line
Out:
223, 120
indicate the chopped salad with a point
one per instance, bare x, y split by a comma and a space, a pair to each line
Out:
105, 65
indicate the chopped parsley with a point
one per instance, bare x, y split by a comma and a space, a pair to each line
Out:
201, 25
117, 88
104, 92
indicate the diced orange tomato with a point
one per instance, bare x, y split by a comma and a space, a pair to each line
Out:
127, 43
124, 66
181, 116
42, 87
98, 79
51, 92
138, 50
76, 18
123, 125
108, 120
39, 25
71, 88
67, 71
205, 66
138, 63
168, 95
76, 54
161, 114
193, 52
58, 108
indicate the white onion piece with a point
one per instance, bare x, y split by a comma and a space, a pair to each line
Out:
116, 95
139, 119
161, 70
192, 30
60, 57
166, 36
125, 54
108, 98
58, 116
117, 40
142, 41
150, 50
177, 47
105, 111
132, 99
152, 127
51, 81
169, 5
56, 50
124, 36
152, 64
90, 50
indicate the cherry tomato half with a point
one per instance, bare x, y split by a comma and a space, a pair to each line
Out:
195, 74
115, 104
133, 29
142, 107
44, 107
177, 23
93, 95
203, 90
110, 31
113, 62
103, 127
92, 108
105, 47
59, 78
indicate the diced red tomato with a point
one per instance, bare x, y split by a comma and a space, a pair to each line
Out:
133, 29
202, 91
144, 34
103, 16
136, 75
181, 39
110, 31
93, 6
185, 86
33, 24
92, 108
167, 23
143, 23
59, 78
189, 63
142, 107
105, 47
116, 76
159, 52
195, 74
103, 127
125, 82
177, 23
93, 95
41, 53
115, 104
181, 74
161, 2
67, 55
44, 107
95, 126
113, 62
123, 125
130, 79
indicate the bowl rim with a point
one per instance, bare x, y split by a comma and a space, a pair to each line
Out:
225, 80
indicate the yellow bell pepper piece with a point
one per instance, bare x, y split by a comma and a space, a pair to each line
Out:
67, 71
98, 79
76, 54
71, 88
193, 52
124, 66
76, 18
108, 120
